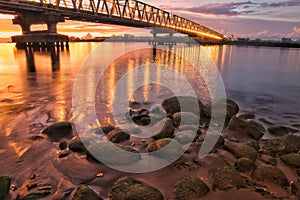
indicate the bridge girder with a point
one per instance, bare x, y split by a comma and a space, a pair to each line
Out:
121, 12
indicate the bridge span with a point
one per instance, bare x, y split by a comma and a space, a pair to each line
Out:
119, 12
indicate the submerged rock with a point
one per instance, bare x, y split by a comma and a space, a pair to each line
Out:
190, 188
112, 154
292, 159
167, 130
129, 188
165, 148
241, 150
4, 186
264, 172
84, 192
281, 130
226, 177
244, 165
117, 136
182, 104
58, 131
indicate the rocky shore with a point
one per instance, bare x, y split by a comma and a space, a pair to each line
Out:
250, 160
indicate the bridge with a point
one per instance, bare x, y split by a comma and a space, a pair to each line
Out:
118, 12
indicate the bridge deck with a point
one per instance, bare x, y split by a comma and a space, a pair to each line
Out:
119, 12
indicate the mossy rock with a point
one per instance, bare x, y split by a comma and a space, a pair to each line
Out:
230, 106
84, 192
292, 159
127, 188
182, 104
113, 154
185, 118
244, 165
166, 148
190, 188
264, 172
241, 150
226, 178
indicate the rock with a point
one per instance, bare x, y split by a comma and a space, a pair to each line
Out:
63, 145
241, 150
284, 145
254, 144
244, 165
129, 188
231, 108
292, 159
270, 173
63, 153
165, 148
187, 127
78, 144
4, 186
281, 130
33, 189
249, 127
104, 129
245, 115
185, 137
117, 136
112, 154
185, 118
226, 177
208, 139
182, 104
167, 130
84, 192
190, 188
296, 188
58, 131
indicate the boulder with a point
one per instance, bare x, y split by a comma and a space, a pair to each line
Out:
182, 104
281, 130
185, 137
185, 118
4, 186
117, 136
241, 150
292, 159
129, 188
190, 188
231, 108
112, 154
165, 148
226, 178
163, 129
250, 127
83, 192
244, 165
264, 172
58, 131
284, 145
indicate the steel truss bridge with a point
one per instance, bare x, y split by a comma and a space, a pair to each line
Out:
119, 12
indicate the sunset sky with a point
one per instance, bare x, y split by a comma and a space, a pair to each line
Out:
255, 18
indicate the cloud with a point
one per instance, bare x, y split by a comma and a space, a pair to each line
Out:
295, 32
262, 33
288, 3
221, 8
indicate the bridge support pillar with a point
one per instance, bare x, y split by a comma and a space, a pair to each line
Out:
162, 40
40, 40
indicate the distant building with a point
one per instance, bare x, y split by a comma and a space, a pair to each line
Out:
286, 40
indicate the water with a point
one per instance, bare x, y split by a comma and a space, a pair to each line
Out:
38, 90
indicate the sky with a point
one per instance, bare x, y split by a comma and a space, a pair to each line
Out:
241, 18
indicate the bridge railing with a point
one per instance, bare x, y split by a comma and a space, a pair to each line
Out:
135, 11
